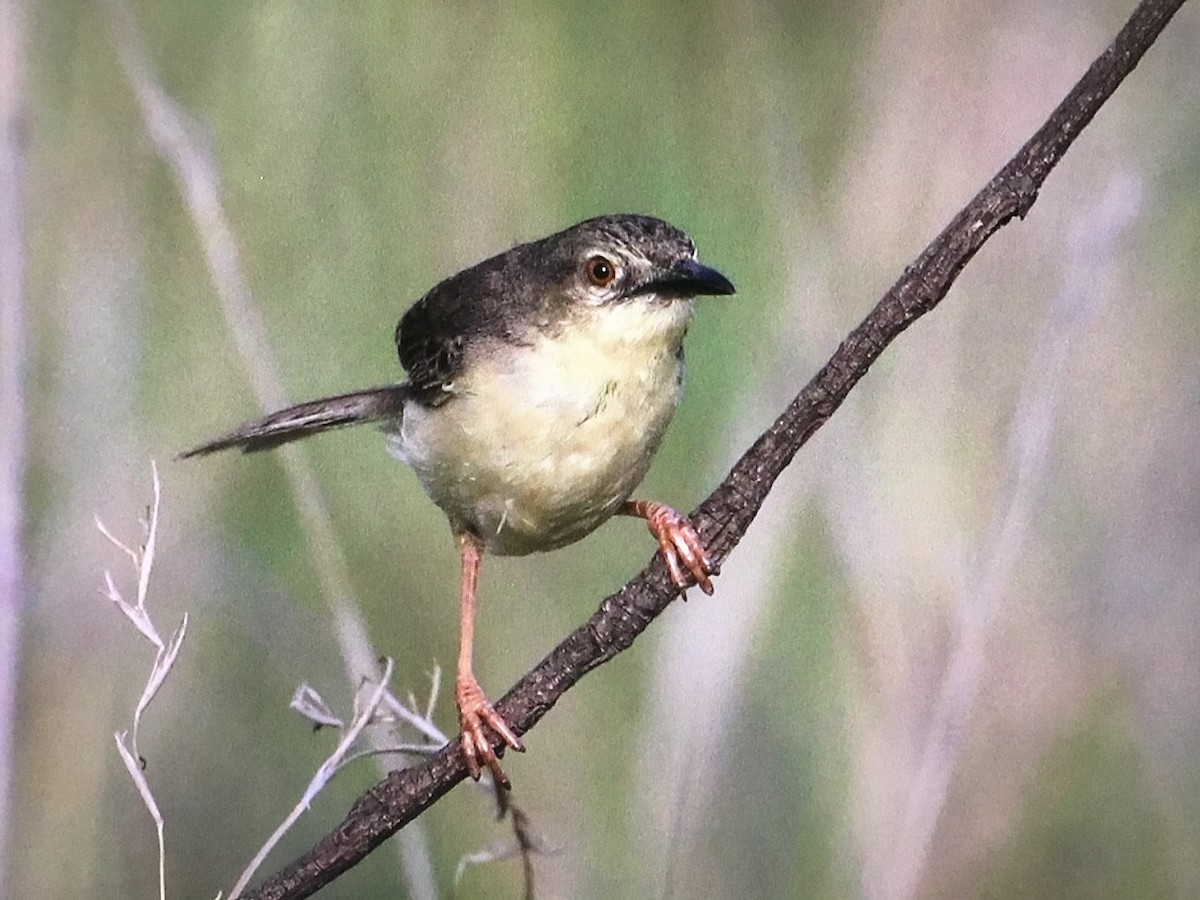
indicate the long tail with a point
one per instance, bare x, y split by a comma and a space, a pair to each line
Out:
295, 422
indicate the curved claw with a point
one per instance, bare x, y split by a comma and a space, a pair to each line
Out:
474, 712
680, 545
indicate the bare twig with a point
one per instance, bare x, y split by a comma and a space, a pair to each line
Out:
166, 652
723, 518
390, 712
324, 773
525, 844
387, 710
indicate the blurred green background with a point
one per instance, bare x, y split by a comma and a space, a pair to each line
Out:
955, 657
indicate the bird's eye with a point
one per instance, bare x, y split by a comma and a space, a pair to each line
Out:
601, 271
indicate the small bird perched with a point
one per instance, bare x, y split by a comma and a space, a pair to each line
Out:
540, 383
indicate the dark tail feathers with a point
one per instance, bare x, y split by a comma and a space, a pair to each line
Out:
295, 422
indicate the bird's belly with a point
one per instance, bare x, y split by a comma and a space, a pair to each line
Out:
531, 461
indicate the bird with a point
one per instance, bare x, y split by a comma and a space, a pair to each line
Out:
539, 385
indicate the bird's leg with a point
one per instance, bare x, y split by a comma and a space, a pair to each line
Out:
474, 710
680, 545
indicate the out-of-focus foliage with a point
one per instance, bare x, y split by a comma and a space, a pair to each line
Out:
956, 657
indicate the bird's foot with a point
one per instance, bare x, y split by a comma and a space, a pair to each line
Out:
474, 712
680, 545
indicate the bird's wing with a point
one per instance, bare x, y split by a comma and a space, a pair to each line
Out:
434, 335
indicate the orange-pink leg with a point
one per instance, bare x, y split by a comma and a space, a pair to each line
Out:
474, 710
680, 545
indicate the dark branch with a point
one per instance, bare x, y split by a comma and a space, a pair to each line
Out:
724, 517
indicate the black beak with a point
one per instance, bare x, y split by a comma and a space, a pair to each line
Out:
689, 278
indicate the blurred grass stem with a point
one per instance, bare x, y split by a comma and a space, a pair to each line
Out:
178, 141
13, 25
1094, 244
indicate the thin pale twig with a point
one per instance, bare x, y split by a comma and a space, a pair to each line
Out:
135, 766
165, 656
316, 784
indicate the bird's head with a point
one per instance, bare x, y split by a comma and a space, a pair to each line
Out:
622, 258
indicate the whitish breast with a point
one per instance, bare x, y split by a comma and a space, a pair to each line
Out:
542, 442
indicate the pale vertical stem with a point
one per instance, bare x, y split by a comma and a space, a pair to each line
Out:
1095, 239
12, 382
179, 143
